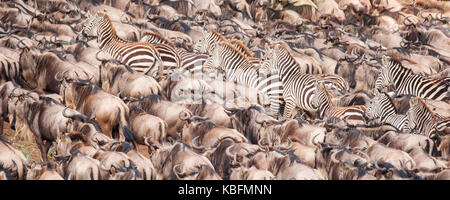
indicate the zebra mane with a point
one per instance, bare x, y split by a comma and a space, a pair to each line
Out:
396, 62
325, 89
220, 36
159, 36
421, 102
391, 101
242, 46
284, 46
106, 17
235, 50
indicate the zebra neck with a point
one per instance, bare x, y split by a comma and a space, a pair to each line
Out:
399, 75
288, 69
324, 107
107, 36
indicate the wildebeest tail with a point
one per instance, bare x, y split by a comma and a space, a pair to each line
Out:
124, 129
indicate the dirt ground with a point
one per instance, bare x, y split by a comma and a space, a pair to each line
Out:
30, 148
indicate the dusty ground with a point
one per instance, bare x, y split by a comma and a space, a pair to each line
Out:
30, 148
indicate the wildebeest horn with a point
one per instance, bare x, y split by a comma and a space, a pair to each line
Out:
177, 171
260, 142
315, 144
65, 114
102, 166
228, 153
196, 146
407, 19
57, 74
288, 146
21, 42
198, 118
185, 117
333, 157
146, 140
13, 94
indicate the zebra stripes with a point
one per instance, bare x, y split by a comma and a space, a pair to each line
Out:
208, 41
382, 108
325, 108
140, 56
238, 68
298, 87
166, 49
422, 120
408, 83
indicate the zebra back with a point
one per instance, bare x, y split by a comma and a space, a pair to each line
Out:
237, 68
381, 106
406, 82
140, 56
420, 117
298, 87
155, 38
325, 107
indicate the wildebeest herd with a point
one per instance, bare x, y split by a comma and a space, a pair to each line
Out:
226, 89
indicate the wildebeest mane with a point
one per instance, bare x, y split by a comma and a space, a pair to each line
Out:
83, 89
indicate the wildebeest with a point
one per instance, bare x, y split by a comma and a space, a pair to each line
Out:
107, 110
118, 80
12, 161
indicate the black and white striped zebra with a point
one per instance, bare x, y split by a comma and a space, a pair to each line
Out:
406, 82
423, 121
189, 62
140, 56
208, 41
382, 109
298, 87
237, 67
325, 108
167, 51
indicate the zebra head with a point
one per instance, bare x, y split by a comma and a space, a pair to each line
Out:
202, 44
90, 26
411, 115
373, 109
269, 60
215, 59
384, 78
320, 95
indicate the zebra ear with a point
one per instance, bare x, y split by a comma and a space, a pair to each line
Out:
266, 47
376, 92
384, 60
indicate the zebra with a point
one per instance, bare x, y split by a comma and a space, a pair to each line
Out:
423, 121
382, 108
208, 41
298, 87
166, 49
189, 62
333, 81
237, 67
326, 108
406, 82
239, 45
140, 56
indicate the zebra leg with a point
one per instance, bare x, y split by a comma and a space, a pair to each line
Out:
289, 107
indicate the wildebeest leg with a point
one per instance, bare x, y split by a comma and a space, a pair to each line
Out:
106, 128
48, 143
1, 126
40, 144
